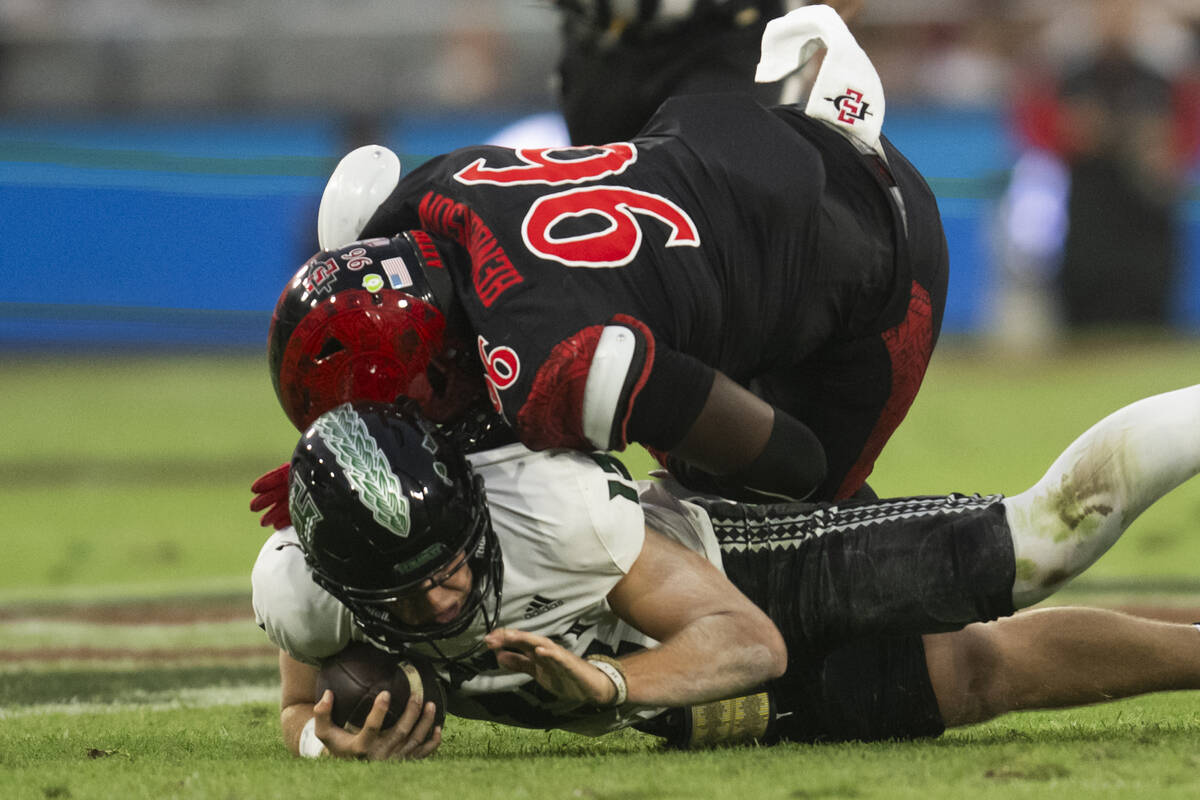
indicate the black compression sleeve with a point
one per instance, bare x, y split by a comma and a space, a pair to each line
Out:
792, 464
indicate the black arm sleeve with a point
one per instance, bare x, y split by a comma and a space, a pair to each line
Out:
791, 465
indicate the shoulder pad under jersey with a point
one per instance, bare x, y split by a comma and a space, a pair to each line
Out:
363, 179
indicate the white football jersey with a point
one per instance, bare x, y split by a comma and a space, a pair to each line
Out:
570, 525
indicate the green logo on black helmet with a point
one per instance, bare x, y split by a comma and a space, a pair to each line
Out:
305, 514
366, 468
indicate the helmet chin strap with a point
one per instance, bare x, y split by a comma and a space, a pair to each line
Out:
441, 286
471, 637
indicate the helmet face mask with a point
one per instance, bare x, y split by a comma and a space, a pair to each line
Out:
375, 617
383, 502
363, 323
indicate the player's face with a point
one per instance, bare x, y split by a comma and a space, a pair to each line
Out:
440, 599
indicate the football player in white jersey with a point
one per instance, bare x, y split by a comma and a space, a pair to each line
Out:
552, 595
553, 546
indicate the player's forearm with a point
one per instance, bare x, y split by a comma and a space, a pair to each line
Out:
292, 720
745, 443
714, 657
298, 685
713, 641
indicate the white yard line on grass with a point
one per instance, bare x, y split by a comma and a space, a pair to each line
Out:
237, 586
29, 634
157, 701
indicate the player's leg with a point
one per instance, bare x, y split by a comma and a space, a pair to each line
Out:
835, 573
608, 89
1098, 486
1057, 657
904, 687
866, 690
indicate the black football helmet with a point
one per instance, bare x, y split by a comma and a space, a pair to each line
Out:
374, 321
381, 502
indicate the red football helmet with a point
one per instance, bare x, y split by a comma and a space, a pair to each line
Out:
368, 322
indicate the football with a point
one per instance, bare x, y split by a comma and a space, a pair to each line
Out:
359, 673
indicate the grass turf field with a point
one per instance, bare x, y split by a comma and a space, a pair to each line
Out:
129, 666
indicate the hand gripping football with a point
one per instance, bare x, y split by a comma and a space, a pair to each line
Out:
360, 672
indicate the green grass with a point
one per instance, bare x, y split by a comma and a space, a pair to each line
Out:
217, 410
1123, 750
134, 473
128, 478
983, 422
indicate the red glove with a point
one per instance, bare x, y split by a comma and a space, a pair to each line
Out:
271, 496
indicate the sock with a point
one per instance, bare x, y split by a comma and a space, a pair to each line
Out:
1098, 486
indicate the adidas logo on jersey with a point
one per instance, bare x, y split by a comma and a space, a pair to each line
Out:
540, 605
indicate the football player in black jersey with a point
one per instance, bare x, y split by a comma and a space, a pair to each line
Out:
753, 291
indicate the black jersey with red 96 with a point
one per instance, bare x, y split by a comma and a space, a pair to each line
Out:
605, 284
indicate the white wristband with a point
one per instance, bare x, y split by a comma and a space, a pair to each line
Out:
310, 745
612, 670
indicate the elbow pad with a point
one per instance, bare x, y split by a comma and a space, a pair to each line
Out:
607, 388
639, 392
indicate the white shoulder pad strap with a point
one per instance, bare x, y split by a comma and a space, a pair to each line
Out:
361, 182
605, 382
846, 93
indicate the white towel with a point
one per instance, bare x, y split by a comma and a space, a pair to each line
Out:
846, 93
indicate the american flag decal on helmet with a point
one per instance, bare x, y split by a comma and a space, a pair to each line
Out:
397, 272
